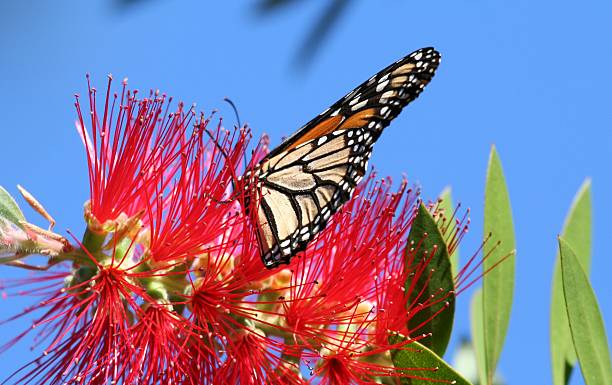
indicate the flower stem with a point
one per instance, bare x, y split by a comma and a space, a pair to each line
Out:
93, 241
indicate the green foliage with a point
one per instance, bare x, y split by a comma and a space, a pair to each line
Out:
9, 209
498, 282
477, 333
425, 366
577, 231
447, 207
426, 241
585, 321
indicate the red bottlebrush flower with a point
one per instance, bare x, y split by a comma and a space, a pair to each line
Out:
164, 346
167, 285
85, 322
352, 358
222, 291
199, 201
348, 292
365, 239
133, 145
113, 322
128, 312
255, 359
399, 302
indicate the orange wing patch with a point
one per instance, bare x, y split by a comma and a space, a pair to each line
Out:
301, 184
321, 129
359, 119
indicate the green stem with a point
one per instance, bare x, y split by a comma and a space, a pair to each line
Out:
93, 241
122, 248
77, 256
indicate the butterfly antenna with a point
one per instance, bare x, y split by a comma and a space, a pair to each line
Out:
226, 156
229, 101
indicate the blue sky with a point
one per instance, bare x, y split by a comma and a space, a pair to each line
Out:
531, 77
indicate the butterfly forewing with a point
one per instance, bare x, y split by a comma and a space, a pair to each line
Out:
298, 186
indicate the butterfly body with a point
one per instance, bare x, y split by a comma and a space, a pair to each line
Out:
293, 192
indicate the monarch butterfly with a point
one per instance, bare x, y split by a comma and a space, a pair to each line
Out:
292, 193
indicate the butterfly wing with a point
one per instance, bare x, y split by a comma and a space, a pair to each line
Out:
301, 183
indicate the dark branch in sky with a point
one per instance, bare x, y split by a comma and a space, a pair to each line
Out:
324, 26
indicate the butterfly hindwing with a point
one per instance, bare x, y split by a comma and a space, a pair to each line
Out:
300, 184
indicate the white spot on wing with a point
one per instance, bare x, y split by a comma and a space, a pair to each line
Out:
388, 94
359, 105
381, 86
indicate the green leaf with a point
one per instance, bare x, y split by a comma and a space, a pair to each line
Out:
477, 333
498, 282
9, 209
424, 364
434, 281
586, 325
464, 361
577, 232
447, 207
